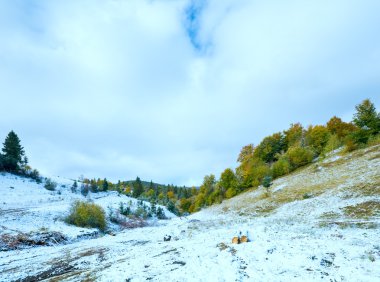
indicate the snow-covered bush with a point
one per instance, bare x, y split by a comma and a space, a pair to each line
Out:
84, 190
50, 184
85, 214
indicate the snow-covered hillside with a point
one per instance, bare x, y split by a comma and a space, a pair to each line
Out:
321, 223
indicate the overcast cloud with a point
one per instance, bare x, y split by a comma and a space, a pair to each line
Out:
171, 90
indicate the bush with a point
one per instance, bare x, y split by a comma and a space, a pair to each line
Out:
280, 168
35, 175
350, 145
317, 137
50, 184
141, 212
88, 215
231, 192
299, 156
374, 140
124, 210
333, 144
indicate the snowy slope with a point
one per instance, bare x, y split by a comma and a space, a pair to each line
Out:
321, 223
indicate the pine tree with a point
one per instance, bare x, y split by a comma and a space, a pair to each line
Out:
138, 188
84, 189
153, 207
160, 213
13, 153
171, 207
94, 187
105, 185
74, 187
366, 117
267, 181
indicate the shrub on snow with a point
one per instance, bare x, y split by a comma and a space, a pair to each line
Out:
50, 184
85, 214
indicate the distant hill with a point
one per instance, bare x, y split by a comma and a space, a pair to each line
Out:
147, 184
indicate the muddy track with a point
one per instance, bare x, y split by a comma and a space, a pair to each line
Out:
50, 273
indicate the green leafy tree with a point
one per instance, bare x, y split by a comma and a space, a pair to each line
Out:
271, 146
185, 205
228, 182
251, 173
317, 137
294, 135
13, 152
332, 144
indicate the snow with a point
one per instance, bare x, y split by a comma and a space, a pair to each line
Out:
286, 245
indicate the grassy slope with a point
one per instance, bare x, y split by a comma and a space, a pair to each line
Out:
352, 180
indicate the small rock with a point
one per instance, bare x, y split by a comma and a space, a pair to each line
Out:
182, 263
325, 262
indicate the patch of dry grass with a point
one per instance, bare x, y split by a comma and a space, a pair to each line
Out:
365, 189
349, 224
330, 215
374, 157
363, 210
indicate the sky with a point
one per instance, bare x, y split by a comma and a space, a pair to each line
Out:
169, 90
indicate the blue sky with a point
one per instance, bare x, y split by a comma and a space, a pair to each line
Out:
171, 90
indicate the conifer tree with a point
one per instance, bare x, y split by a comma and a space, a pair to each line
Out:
105, 185
74, 187
138, 188
366, 117
13, 153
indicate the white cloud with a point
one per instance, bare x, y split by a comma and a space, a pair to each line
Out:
118, 88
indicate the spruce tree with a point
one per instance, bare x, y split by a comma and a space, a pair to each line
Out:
366, 117
105, 185
13, 153
138, 188
74, 187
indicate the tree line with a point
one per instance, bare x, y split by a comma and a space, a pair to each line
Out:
276, 155
283, 152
